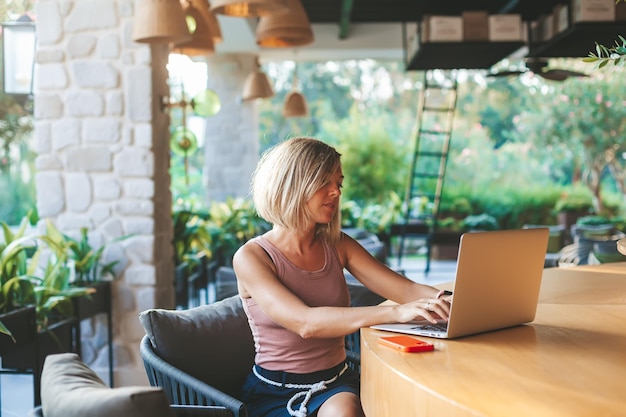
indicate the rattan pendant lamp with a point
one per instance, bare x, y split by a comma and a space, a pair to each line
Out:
285, 30
159, 21
248, 8
257, 84
201, 42
214, 24
295, 103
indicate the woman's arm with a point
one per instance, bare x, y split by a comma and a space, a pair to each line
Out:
378, 277
257, 278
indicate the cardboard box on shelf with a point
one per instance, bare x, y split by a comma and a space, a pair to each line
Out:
475, 26
442, 29
505, 27
620, 11
547, 26
560, 15
593, 10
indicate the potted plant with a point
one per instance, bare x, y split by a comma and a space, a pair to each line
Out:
52, 296
483, 221
571, 206
17, 297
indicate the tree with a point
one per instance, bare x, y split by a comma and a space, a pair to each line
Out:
585, 118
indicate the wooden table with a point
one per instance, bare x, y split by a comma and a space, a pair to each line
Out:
571, 361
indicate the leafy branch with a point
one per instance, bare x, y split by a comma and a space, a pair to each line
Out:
604, 55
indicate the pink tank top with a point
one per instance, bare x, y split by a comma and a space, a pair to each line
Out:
279, 349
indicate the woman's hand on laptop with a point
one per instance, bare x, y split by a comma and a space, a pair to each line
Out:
431, 309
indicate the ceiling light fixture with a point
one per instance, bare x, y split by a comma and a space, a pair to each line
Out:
201, 42
159, 21
295, 103
257, 84
285, 30
248, 8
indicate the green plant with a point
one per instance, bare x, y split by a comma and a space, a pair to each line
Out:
24, 282
481, 221
16, 288
190, 235
578, 199
230, 224
375, 218
450, 223
86, 260
604, 55
54, 291
593, 221
216, 233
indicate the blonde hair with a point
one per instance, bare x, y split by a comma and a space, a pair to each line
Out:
286, 178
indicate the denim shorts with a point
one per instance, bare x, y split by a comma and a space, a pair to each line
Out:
267, 400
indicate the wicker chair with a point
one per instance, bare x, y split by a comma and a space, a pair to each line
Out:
201, 356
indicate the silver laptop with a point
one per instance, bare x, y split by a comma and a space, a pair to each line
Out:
497, 282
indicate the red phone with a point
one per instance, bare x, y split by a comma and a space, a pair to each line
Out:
406, 344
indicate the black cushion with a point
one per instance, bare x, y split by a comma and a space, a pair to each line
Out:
212, 342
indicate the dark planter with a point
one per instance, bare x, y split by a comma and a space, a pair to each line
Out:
22, 324
57, 338
89, 306
29, 358
445, 245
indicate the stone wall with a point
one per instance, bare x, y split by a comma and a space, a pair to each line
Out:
103, 158
231, 139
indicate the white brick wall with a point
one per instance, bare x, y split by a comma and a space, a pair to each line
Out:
103, 154
95, 133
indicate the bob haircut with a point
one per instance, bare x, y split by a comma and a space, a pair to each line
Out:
286, 178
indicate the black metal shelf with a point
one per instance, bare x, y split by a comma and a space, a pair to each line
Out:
579, 39
454, 55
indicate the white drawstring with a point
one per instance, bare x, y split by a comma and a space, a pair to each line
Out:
310, 389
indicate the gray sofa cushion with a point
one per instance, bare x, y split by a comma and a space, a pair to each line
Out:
69, 388
212, 342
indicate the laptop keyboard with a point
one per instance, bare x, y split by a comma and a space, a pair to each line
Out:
434, 327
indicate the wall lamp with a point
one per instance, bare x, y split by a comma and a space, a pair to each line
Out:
18, 60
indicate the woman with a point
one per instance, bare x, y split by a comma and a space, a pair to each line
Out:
294, 292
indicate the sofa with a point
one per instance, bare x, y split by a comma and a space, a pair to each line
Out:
69, 388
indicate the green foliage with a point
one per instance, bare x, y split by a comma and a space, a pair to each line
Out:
215, 233
375, 218
577, 198
17, 188
372, 161
85, 259
593, 220
582, 119
16, 287
23, 283
605, 55
481, 221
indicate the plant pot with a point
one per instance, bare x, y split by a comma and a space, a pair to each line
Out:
56, 339
22, 324
90, 305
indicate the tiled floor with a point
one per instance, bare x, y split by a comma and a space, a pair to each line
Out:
17, 390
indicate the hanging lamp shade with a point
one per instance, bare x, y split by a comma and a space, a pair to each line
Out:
295, 105
201, 42
248, 8
214, 25
257, 84
285, 30
159, 21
